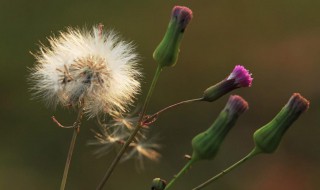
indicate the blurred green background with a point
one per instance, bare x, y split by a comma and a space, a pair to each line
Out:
278, 41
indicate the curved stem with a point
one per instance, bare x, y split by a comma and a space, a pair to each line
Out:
178, 104
155, 115
216, 177
76, 127
134, 132
182, 171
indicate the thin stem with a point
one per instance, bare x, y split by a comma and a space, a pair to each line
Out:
76, 126
155, 115
182, 171
216, 177
134, 132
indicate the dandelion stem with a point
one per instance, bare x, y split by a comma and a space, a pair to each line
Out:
216, 177
182, 171
155, 115
134, 132
76, 127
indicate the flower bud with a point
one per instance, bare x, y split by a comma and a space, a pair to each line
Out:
166, 54
268, 137
206, 144
240, 77
158, 184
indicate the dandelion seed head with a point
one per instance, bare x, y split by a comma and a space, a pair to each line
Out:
92, 65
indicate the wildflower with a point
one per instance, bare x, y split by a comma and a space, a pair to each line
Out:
239, 77
166, 54
268, 137
93, 66
206, 144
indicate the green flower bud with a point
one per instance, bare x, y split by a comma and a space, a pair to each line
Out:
166, 54
158, 184
206, 144
268, 137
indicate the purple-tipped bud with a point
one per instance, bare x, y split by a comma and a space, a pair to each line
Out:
298, 104
240, 77
237, 105
166, 54
206, 144
182, 15
268, 137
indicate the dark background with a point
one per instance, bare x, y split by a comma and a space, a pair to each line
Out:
278, 41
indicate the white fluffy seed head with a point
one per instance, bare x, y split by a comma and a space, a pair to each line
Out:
93, 66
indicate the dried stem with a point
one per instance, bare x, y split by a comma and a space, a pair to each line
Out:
154, 116
134, 132
76, 127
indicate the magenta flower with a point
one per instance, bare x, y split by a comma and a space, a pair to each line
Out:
242, 76
239, 77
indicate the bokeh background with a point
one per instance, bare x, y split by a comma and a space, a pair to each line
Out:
278, 41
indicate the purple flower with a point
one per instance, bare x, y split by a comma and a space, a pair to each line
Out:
241, 76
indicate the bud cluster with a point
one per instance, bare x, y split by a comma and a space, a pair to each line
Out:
206, 144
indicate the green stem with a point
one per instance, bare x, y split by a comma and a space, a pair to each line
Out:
182, 171
216, 177
76, 127
134, 132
